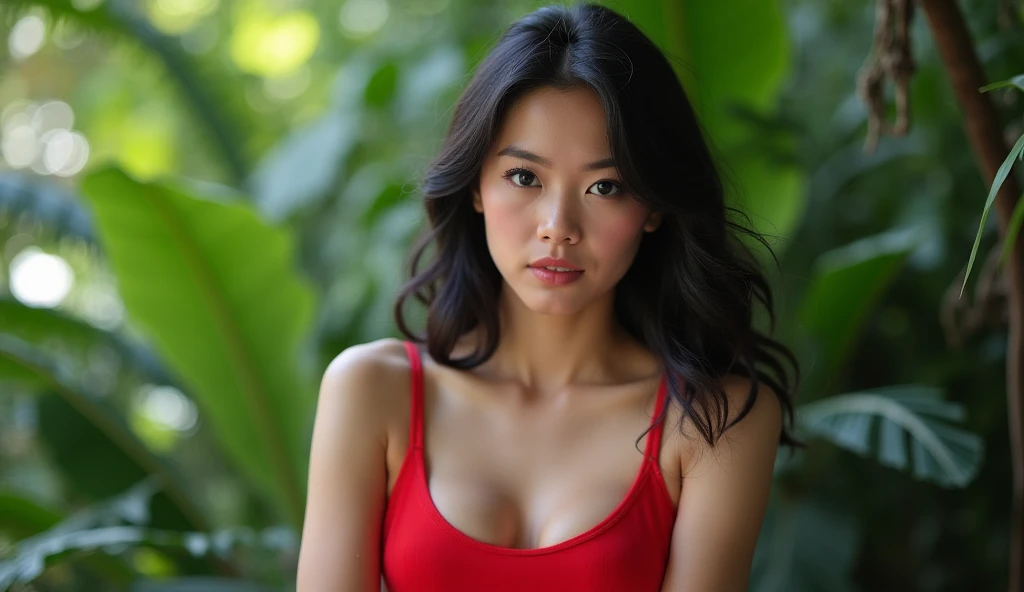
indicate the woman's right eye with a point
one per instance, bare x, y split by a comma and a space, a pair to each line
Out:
524, 175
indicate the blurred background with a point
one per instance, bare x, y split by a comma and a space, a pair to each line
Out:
203, 201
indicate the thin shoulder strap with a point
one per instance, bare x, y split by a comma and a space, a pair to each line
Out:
653, 447
416, 400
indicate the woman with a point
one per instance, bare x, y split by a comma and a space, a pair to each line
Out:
585, 290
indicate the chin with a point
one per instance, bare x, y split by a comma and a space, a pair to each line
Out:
554, 310
555, 302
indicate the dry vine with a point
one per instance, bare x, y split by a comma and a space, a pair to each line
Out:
890, 60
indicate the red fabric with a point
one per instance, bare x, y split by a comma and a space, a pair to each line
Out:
422, 552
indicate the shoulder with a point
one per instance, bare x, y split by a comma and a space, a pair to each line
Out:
758, 427
725, 494
369, 361
347, 484
766, 410
368, 381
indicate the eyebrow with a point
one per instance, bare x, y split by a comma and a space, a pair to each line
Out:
513, 150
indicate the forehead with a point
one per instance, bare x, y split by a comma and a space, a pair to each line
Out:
563, 125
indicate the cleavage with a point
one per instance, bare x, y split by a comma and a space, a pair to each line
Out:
560, 497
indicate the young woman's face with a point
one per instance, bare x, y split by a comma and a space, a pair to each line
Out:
547, 189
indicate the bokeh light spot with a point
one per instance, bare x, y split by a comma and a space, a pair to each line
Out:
274, 45
40, 279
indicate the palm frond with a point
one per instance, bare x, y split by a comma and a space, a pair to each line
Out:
938, 451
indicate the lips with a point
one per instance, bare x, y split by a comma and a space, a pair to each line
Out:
555, 278
566, 272
554, 262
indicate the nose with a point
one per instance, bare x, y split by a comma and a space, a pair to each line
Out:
558, 220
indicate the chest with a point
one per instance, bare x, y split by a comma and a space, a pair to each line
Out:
532, 476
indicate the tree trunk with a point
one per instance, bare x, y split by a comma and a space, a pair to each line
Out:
986, 138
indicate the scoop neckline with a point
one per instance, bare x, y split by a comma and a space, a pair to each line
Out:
648, 466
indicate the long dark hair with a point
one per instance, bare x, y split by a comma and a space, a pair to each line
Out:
689, 294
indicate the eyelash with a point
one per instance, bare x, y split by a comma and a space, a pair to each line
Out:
516, 170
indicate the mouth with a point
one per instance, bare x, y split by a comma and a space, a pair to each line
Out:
555, 275
556, 265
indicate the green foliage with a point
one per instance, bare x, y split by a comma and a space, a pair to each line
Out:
239, 302
120, 522
81, 347
804, 546
1015, 82
198, 585
30, 556
22, 517
877, 424
90, 439
50, 204
1017, 216
1017, 152
850, 279
215, 288
120, 19
724, 78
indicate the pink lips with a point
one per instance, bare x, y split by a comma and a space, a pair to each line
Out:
553, 277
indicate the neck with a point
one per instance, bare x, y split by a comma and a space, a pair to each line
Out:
546, 353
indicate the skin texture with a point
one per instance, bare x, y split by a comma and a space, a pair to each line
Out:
538, 444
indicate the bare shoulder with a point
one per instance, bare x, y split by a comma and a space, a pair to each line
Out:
762, 423
375, 374
373, 359
766, 410
725, 495
340, 547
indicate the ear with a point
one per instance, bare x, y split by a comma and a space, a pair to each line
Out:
653, 221
478, 203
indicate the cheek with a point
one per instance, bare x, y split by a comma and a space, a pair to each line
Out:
507, 223
616, 236
505, 216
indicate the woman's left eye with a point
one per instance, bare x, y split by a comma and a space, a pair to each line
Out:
608, 185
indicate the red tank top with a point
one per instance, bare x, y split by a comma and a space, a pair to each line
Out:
422, 552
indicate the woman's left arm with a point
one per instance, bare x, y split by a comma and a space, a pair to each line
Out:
724, 497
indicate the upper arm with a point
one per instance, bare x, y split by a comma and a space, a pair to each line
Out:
347, 485
724, 499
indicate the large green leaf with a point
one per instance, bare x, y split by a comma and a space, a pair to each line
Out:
850, 279
90, 441
937, 451
214, 289
723, 78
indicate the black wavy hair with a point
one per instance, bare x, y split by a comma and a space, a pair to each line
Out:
690, 292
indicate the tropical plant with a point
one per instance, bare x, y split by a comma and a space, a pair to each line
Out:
240, 287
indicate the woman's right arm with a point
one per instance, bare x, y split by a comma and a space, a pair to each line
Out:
340, 547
